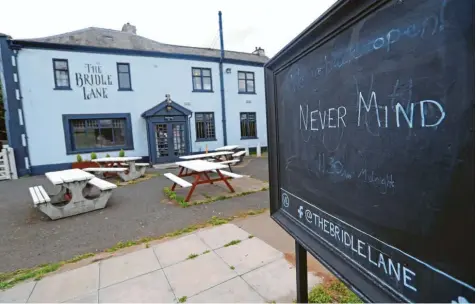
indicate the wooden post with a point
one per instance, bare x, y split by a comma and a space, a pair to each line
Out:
301, 273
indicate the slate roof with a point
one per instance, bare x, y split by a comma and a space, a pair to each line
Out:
100, 37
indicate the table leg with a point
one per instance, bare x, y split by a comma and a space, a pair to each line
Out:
224, 179
194, 184
208, 177
179, 175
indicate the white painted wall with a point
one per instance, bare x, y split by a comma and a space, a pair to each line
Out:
151, 79
236, 103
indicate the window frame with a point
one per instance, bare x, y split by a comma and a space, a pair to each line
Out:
246, 82
69, 138
247, 122
119, 79
201, 80
214, 127
57, 87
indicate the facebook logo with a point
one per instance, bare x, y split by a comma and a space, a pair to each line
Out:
300, 211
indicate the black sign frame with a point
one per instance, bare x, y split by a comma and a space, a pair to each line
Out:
342, 15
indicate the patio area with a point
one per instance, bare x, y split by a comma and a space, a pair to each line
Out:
134, 211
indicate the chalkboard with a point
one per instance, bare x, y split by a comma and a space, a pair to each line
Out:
371, 140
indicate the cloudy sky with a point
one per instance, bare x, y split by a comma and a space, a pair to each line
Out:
247, 23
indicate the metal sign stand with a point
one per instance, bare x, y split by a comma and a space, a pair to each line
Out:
301, 273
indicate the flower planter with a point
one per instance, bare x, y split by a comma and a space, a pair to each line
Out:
85, 164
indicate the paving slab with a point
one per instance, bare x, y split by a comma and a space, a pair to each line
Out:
17, 294
67, 285
174, 251
196, 275
248, 255
277, 281
148, 288
128, 266
233, 291
216, 237
87, 298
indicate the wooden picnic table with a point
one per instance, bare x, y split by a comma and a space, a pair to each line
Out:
114, 162
215, 155
227, 148
201, 169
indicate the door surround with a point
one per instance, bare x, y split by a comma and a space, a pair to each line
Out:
166, 113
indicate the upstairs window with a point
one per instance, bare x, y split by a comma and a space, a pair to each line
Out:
205, 126
248, 125
246, 82
202, 79
61, 74
124, 76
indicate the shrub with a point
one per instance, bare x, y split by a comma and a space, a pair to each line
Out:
79, 158
122, 153
107, 155
93, 156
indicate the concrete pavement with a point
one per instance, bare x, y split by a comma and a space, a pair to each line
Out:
218, 264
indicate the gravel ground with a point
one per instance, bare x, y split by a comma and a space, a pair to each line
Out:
28, 238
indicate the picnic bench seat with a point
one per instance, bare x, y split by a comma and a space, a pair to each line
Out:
39, 195
183, 183
229, 174
142, 164
103, 185
105, 169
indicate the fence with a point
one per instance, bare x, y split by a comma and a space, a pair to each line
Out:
8, 169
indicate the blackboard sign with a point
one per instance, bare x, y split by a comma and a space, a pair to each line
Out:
371, 134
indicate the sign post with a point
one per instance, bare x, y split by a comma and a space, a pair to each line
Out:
370, 115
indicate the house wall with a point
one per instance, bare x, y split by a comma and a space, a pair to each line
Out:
151, 79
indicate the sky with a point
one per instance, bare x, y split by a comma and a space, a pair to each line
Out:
246, 23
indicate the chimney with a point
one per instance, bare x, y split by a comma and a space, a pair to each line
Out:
129, 28
258, 51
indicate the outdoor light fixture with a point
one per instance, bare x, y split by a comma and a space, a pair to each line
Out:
169, 102
228, 70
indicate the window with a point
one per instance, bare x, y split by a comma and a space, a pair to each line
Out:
205, 126
202, 80
97, 132
124, 76
61, 74
248, 125
246, 82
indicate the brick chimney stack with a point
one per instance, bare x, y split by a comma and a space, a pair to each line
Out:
129, 28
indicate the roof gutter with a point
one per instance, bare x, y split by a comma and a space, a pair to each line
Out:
222, 85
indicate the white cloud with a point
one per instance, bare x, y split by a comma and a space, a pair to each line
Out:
247, 23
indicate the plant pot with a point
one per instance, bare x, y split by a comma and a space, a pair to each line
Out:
85, 164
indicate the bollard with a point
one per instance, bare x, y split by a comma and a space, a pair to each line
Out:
258, 150
247, 150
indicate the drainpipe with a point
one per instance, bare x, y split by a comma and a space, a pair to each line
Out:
222, 85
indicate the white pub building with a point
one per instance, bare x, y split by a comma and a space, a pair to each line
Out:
101, 90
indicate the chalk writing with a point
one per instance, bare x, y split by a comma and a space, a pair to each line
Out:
330, 118
428, 26
382, 182
93, 82
364, 252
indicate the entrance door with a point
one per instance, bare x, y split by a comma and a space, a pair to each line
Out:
170, 141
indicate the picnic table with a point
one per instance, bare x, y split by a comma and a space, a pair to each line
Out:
213, 155
227, 148
200, 169
125, 167
75, 186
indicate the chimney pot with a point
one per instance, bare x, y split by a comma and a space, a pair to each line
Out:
129, 28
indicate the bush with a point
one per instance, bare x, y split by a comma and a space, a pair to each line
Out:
107, 155
122, 153
93, 156
79, 158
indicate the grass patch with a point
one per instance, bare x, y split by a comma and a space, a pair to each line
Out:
251, 236
192, 256
232, 267
206, 251
224, 197
182, 299
332, 291
138, 180
234, 242
10, 279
